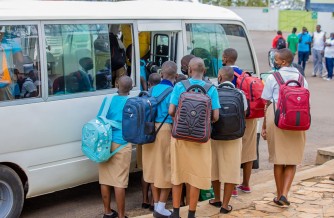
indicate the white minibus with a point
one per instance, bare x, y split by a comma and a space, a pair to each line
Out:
62, 60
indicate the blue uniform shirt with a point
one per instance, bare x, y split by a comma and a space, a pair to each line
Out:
179, 89
164, 105
142, 72
116, 113
302, 46
238, 71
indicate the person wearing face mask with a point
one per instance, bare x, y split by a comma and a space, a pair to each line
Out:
184, 64
286, 147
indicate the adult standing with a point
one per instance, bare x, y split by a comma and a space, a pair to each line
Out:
304, 47
319, 38
293, 41
329, 56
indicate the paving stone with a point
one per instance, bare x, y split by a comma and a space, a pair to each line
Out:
289, 213
329, 212
327, 181
261, 202
269, 199
328, 195
307, 215
268, 208
310, 209
322, 202
317, 189
307, 198
330, 186
308, 184
269, 195
296, 200
303, 192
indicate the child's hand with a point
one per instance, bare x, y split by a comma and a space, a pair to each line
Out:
264, 134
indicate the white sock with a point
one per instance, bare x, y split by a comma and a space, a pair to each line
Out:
162, 210
155, 206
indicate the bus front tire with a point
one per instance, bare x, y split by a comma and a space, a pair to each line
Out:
11, 193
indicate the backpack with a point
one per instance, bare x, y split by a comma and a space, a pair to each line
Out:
231, 124
192, 120
252, 87
97, 136
293, 106
281, 43
139, 115
117, 54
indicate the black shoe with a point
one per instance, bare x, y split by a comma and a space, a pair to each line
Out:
284, 201
113, 215
277, 201
151, 208
145, 205
158, 215
225, 211
215, 204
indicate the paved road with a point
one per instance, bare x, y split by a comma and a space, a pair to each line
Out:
84, 201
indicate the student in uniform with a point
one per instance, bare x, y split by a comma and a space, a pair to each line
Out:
191, 161
286, 148
249, 149
156, 155
226, 157
153, 80
115, 172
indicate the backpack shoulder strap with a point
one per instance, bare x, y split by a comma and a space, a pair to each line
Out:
104, 113
164, 94
118, 149
186, 83
301, 80
207, 86
278, 78
236, 74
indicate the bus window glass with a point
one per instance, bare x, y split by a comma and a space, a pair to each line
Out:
19, 65
84, 57
208, 42
161, 45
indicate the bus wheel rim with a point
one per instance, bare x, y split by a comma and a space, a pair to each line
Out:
6, 199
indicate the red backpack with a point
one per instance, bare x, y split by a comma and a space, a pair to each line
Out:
252, 87
293, 106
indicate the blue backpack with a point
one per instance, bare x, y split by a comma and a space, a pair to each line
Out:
97, 136
139, 115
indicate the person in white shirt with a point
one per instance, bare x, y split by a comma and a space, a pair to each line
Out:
329, 56
319, 38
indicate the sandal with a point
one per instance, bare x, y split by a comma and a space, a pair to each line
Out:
145, 205
284, 201
215, 204
277, 201
113, 215
225, 211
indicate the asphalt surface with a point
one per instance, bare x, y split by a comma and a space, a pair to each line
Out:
85, 201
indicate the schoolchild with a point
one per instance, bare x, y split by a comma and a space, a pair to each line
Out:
115, 172
153, 80
191, 161
249, 149
156, 155
286, 147
226, 157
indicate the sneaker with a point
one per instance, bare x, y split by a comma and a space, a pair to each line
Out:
235, 193
329, 79
313, 75
244, 188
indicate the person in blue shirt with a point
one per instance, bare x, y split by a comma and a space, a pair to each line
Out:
115, 172
191, 161
230, 56
304, 47
156, 155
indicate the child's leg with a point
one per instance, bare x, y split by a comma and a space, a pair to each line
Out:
120, 201
156, 194
194, 195
247, 171
187, 194
176, 191
279, 179
106, 198
145, 187
289, 174
228, 188
216, 189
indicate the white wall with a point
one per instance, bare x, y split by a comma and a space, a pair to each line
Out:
326, 21
256, 19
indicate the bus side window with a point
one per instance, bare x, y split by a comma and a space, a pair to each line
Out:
19, 74
161, 52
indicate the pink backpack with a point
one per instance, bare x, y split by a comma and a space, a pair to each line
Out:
293, 106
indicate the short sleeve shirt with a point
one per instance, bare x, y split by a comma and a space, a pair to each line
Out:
116, 113
271, 87
164, 105
179, 89
27, 88
292, 42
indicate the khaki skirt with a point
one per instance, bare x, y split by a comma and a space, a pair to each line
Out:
156, 158
285, 147
115, 172
226, 160
191, 163
249, 141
